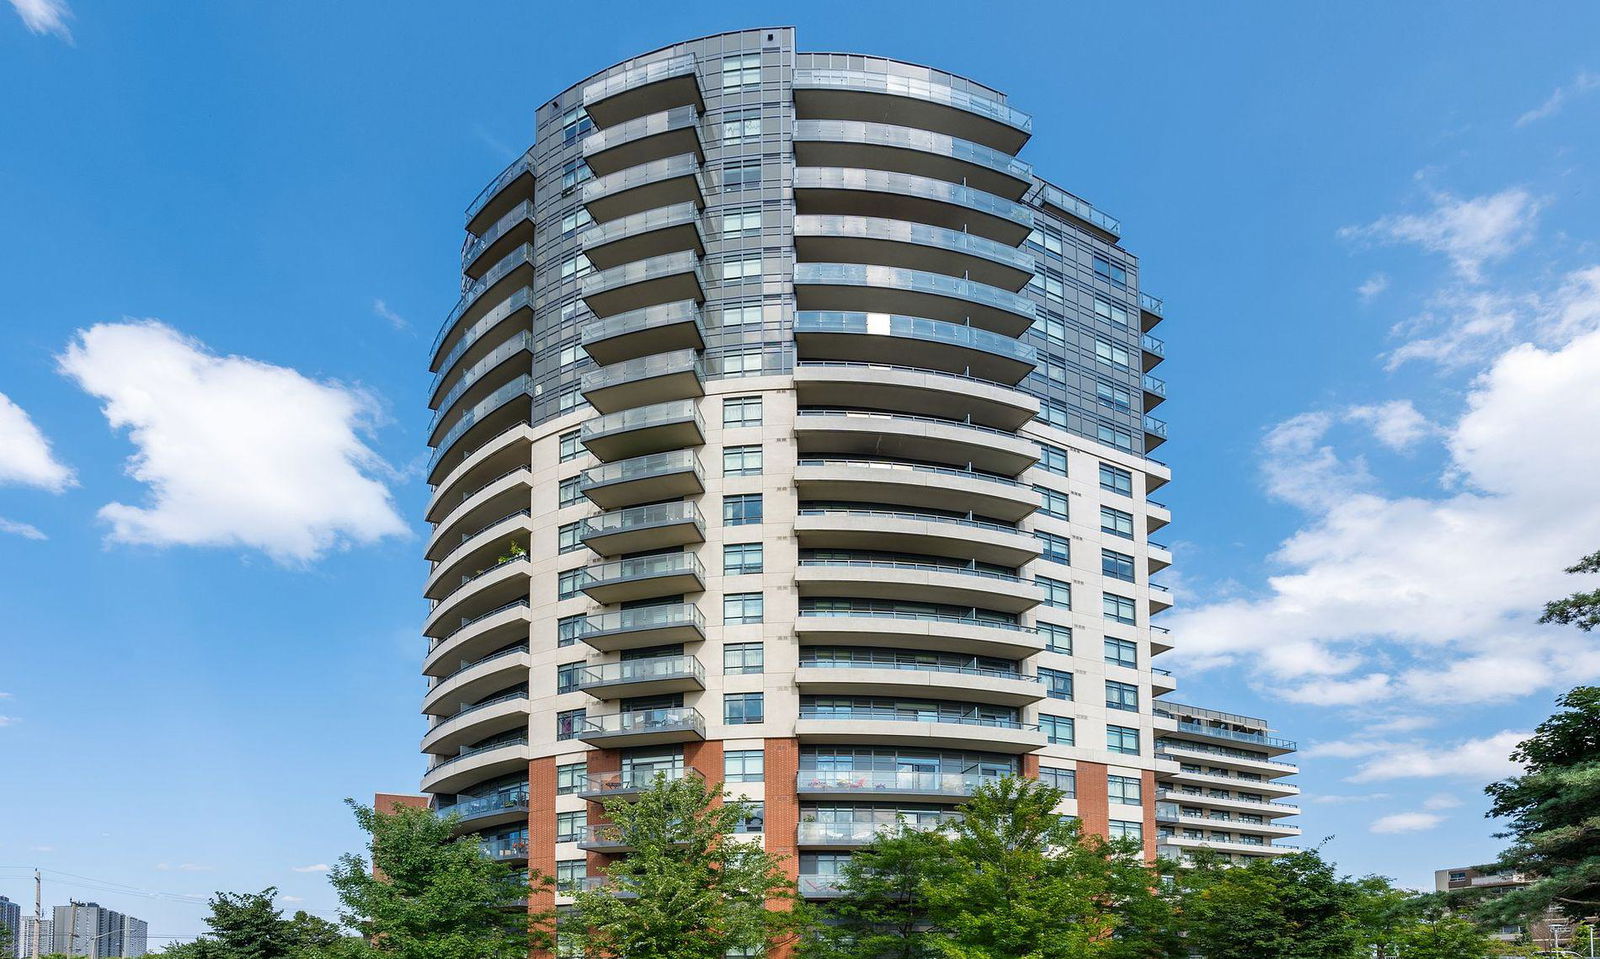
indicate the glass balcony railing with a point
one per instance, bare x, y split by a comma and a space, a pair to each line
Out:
1221, 732
890, 780
631, 780
860, 833
643, 368
639, 128
642, 671
918, 617
908, 418
919, 234
908, 184
503, 849
519, 695
643, 271
1155, 385
467, 581
519, 343
637, 321
642, 517
825, 661
1198, 797
1152, 304
824, 79
469, 809
466, 754
941, 374
639, 76
634, 620
465, 623
465, 542
645, 174
641, 468
820, 886
1153, 345
1010, 578
519, 166
916, 468
1155, 426
637, 224
909, 138
521, 299
1080, 208
521, 256
475, 245
916, 328
642, 418
469, 417
1223, 755
643, 567
915, 281
891, 714
502, 654
645, 721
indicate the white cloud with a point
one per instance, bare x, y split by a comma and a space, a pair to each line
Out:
1479, 760
1583, 83
183, 867
319, 867
25, 530
8, 721
1323, 691
291, 899
1334, 799
1373, 286
381, 309
25, 456
1396, 424
1406, 822
45, 16
1470, 232
1441, 801
235, 452
1344, 748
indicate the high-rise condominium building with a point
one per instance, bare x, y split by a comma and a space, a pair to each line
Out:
10, 927
792, 432
90, 929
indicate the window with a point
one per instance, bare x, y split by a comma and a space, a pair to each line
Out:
738, 126
1121, 439
575, 267
1123, 829
740, 658
1055, 548
741, 316
739, 558
1052, 458
738, 174
570, 450
567, 583
1118, 609
567, 630
567, 538
1116, 397
741, 269
575, 123
1122, 739
1110, 271
740, 71
1116, 522
742, 709
570, 874
573, 222
744, 765
570, 826
1122, 652
1115, 479
1123, 789
741, 411
1057, 683
1057, 639
755, 822
567, 677
1111, 312
571, 777
740, 220
574, 172
741, 460
1065, 780
1114, 353
739, 608
741, 510
1058, 730
569, 723
1056, 593
1122, 696
567, 494
1116, 565
1052, 502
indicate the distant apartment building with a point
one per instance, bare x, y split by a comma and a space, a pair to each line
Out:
45, 928
90, 929
10, 926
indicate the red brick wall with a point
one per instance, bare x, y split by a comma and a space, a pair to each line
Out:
782, 815
1094, 806
386, 802
541, 834
1148, 791
601, 761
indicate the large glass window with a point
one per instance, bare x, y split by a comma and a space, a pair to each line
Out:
1065, 780
1057, 549
1123, 789
1059, 730
1122, 739
741, 71
1122, 652
742, 709
741, 411
1122, 696
1053, 458
741, 510
567, 538
1123, 829
1056, 592
570, 449
741, 460
569, 723
1116, 522
1053, 502
1116, 565
742, 608
1118, 609
1115, 479
570, 826
1057, 639
570, 777
1057, 682
567, 493
741, 658
741, 558
744, 765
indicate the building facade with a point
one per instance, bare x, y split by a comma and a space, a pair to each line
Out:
90, 929
792, 432
45, 930
10, 926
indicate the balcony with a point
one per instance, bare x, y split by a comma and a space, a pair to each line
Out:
477, 765
850, 835
1270, 809
917, 582
644, 727
1182, 844
918, 199
1213, 757
640, 627
512, 314
476, 722
638, 529
645, 381
477, 636
645, 235
1158, 557
1152, 350
1166, 812
506, 850
510, 356
925, 533
863, 145
914, 485
478, 550
1107, 227
1168, 719
510, 231
1162, 681
505, 408
1155, 391
654, 329
472, 681
643, 90
1265, 787
889, 784
1152, 308
510, 187
477, 507
660, 675
886, 289
488, 590
905, 630
628, 783
915, 341
648, 186
1160, 598
481, 296
917, 729
924, 438
488, 811
905, 389
1155, 432
820, 887
643, 139
913, 679
643, 430
644, 283
644, 479
643, 577
916, 246
837, 94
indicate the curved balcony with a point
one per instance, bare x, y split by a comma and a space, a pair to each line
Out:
914, 485
863, 145
508, 232
481, 297
508, 406
924, 533
482, 464
644, 283
475, 637
889, 784
655, 136
628, 783
644, 727
645, 381
472, 681
512, 314
510, 187
641, 528
506, 850
917, 582
909, 728
497, 497
645, 235
640, 627
1218, 758
861, 95
477, 550
1199, 798
487, 811
648, 186
644, 479
491, 589
1178, 844
905, 389
642, 430
924, 438
654, 329
919, 680
642, 90
923, 343
656, 676
872, 240
919, 199
473, 766
888, 289
960, 634
847, 835
644, 577
1265, 787
514, 355
1081, 210
1265, 829
476, 722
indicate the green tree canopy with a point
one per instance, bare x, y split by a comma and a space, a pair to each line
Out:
1581, 609
1293, 906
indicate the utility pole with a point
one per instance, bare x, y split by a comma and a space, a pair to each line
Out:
38, 910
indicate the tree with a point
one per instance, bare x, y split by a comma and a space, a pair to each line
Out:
1553, 810
435, 896
1580, 609
883, 912
248, 926
687, 889
1290, 907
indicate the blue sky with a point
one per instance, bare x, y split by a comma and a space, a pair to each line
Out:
1372, 224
